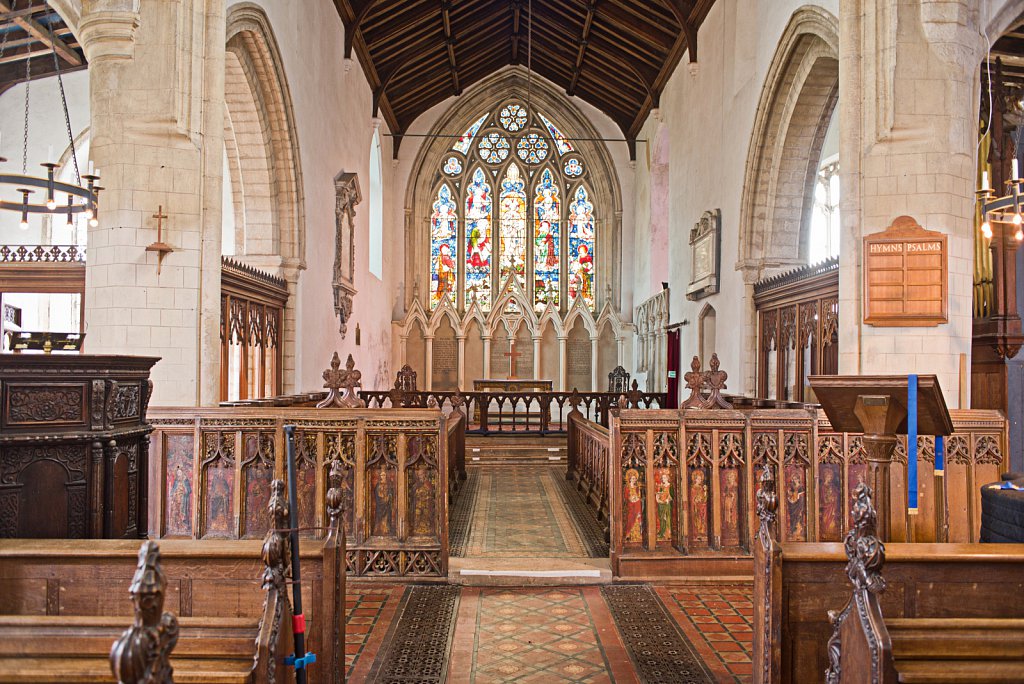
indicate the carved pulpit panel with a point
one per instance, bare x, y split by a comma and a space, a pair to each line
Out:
347, 196
705, 244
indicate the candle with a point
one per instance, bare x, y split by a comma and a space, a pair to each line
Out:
1016, 172
97, 172
90, 167
984, 180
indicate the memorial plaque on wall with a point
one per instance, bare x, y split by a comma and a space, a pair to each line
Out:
905, 275
446, 364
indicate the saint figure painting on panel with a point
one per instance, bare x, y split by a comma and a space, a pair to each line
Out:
699, 503
730, 496
831, 491
795, 508
663, 497
633, 529
381, 504
180, 500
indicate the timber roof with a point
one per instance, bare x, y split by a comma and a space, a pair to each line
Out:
31, 29
615, 54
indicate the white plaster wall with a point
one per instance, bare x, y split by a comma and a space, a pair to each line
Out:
709, 117
333, 123
46, 128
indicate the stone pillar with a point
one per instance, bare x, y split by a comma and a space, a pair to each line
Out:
908, 75
156, 78
594, 373
536, 358
563, 370
428, 344
487, 357
461, 381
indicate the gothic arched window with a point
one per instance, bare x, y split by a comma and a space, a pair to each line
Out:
512, 200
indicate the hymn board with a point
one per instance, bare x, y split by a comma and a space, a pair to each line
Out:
905, 275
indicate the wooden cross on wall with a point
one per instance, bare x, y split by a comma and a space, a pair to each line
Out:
512, 355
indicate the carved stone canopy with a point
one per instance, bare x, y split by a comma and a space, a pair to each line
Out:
347, 196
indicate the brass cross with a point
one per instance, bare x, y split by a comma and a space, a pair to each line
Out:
512, 355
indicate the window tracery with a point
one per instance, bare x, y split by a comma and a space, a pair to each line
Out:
545, 243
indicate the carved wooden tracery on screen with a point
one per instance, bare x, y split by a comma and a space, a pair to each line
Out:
251, 332
798, 325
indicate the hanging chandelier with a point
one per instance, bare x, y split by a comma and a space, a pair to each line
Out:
1005, 209
60, 198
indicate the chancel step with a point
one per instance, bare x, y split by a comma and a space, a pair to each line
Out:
515, 449
521, 572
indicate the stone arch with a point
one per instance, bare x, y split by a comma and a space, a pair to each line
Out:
792, 117
260, 131
793, 113
507, 84
707, 333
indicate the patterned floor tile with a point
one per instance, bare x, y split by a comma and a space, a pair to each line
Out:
519, 512
539, 634
718, 619
369, 610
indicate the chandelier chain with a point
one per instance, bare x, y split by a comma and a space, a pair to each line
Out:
64, 103
24, 143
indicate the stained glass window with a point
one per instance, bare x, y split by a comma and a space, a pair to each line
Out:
515, 208
443, 242
532, 149
561, 144
512, 259
466, 140
478, 240
581, 248
494, 148
513, 117
547, 261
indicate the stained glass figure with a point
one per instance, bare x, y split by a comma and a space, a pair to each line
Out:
478, 240
573, 168
493, 148
561, 144
532, 149
513, 117
512, 259
443, 244
467, 138
546, 242
581, 248
453, 167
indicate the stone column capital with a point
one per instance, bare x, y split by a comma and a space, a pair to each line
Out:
107, 29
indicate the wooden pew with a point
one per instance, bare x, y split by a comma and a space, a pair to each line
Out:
866, 647
62, 604
796, 584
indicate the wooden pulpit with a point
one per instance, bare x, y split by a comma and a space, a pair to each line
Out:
876, 405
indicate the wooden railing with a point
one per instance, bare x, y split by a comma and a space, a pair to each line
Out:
589, 448
213, 468
490, 412
681, 482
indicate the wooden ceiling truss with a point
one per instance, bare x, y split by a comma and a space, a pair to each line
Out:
31, 29
618, 55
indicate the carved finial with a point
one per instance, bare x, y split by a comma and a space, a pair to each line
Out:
142, 654
575, 400
432, 402
633, 396
341, 385
695, 382
275, 544
767, 500
457, 401
714, 380
865, 551
396, 395
335, 499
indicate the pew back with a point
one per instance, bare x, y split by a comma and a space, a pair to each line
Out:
941, 581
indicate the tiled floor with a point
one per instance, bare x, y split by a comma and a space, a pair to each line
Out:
511, 520
556, 634
718, 619
369, 610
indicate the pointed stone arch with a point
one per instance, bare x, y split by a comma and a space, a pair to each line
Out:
510, 84
795, 108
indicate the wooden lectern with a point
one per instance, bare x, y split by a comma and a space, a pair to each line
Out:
876, 405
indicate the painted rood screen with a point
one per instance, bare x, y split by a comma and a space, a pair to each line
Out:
501, 198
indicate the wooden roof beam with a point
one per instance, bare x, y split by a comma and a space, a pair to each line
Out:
449, 41
41, 33
588, 22
682, 9
517, 19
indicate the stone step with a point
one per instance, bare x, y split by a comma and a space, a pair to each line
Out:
515, 450
528, 572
